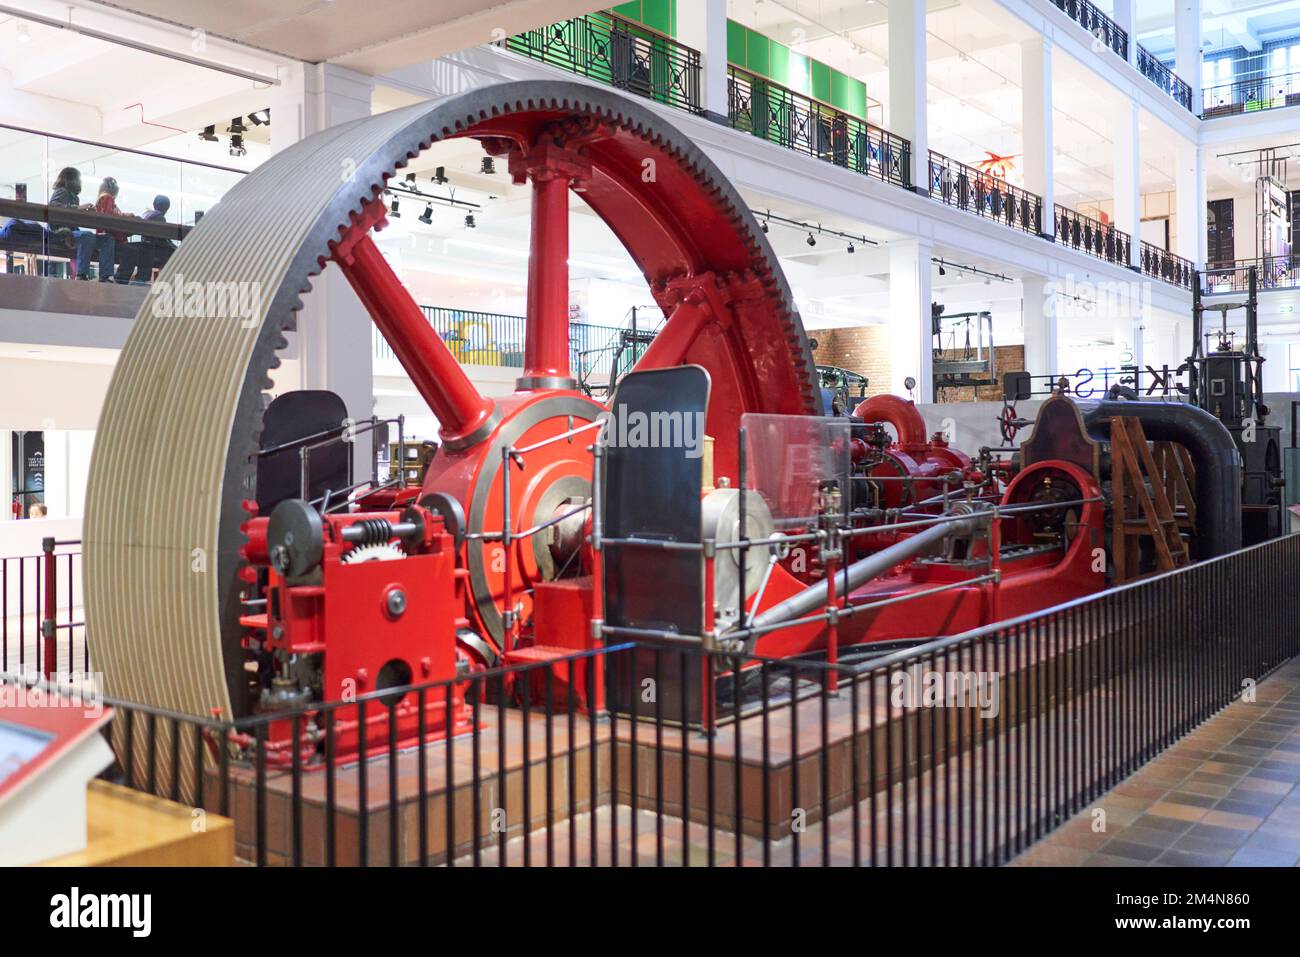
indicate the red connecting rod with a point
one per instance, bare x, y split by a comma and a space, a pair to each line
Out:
437, 376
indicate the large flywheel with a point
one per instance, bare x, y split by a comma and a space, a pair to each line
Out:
173, 467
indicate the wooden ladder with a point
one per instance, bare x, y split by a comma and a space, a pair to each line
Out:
1137, 510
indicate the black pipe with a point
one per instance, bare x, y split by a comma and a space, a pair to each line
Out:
1218, 463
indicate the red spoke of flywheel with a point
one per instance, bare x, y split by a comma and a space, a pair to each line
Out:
434, 371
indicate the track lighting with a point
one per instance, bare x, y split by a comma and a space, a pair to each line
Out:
811, 240
942, 271
410, 180
260, 117
469, 221
487, 167
236, 125
237, 145
426, 217
393, 207
209, 134
440, 175
851, 249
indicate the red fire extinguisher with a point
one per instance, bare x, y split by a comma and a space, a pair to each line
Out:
17, 509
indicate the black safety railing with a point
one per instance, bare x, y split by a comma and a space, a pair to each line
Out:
1097, 23
1161, 264
773, 112
960, 752
1272, 272
1169, 81
621, 53
967, 188
1251, 95
1092, 236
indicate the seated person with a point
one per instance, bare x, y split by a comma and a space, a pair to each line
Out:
142, 257
67, 193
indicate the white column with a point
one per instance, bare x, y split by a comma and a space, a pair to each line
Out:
1128, 178
702, 25
911, 338
1189, 209
1125, 16
1038, 318
1187, 46
334, 330
1036, 108
907, 85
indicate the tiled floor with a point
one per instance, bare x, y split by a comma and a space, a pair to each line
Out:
1227, 794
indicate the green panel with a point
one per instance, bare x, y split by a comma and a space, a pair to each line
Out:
757, 53
840, 90
659, 15
778, 64
736, 43
821, 81
857, 102
629, 11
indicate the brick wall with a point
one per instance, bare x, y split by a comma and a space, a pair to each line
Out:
860, 349
1005, 359
866, 350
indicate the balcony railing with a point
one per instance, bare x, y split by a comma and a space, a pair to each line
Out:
1162, 264
1163, 77
1097, 23
626, 55
1250, 96
969, 189
1271, 272
497, 339
37, 238
790, 119
1092, 236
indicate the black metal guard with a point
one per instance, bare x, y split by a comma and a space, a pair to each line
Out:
621, 53
773, 112
972, 190
1092, 236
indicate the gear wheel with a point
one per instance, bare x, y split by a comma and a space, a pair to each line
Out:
162, 546
378, 552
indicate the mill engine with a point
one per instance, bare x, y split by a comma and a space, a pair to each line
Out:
236, 585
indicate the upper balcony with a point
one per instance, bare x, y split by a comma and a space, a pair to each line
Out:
74, 208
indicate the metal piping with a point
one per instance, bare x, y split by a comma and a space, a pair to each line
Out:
1218, 463
863, 570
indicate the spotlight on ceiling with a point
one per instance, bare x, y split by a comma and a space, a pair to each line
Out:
260, 117
426, 217
487, 167
469, 221
209, 134
237, 125
812, 241
410, 179
942, 271
764, 225
393, 208
851, 249
237, 145
440, 175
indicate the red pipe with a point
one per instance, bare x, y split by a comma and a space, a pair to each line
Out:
49, 627
901, 413
546, 348
435, 372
